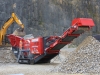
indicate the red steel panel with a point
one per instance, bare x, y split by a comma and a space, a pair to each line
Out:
26, 44
36, 45
14, 40
83, 22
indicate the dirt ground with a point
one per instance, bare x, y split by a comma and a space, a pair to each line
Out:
25, 69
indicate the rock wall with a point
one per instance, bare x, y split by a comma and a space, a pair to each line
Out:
49, 17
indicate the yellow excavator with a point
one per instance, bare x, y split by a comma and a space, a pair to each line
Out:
18, 31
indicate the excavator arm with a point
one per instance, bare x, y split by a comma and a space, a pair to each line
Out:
8, 23
17, 20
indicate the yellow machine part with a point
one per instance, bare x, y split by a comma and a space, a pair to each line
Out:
8, 23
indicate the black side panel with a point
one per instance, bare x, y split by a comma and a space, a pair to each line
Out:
58, 46
68, 38
78, 32
47, 58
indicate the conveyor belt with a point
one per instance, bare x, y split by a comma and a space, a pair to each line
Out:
63, 41
69, 38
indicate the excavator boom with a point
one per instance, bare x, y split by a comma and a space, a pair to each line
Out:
8, 23
17, 20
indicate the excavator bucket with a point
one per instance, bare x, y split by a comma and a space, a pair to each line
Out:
19, 32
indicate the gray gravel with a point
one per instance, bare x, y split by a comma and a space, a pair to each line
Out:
6, 55
85, 59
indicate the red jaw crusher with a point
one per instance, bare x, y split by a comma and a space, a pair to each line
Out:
43, 49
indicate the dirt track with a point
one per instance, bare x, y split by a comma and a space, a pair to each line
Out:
25, 69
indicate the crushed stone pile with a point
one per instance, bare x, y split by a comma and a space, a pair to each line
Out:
64, 52
6, 55
59, 58
85, 59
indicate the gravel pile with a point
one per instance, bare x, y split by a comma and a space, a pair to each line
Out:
59, 58
85, 59
6, 55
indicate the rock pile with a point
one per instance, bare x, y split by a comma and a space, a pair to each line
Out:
59, 58
85, 59
6, 55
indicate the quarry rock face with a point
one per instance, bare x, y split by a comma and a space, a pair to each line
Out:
49, 17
